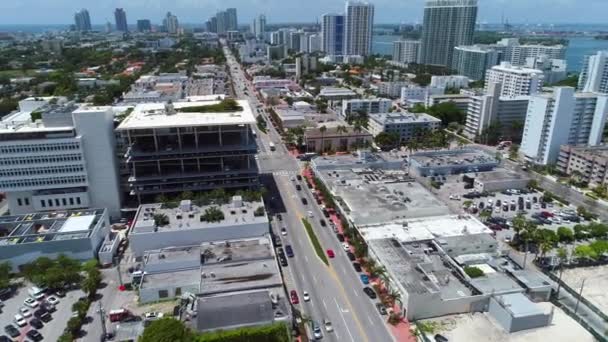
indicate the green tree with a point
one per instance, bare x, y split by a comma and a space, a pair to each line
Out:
473, 272
212, 214
166, 330
565, 235
386, 140
5, 274
585, 252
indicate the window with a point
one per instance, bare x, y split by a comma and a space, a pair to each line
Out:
19, 203
71, 201
178, 291
42, 204
78, 200
57, 202
163, 293
64, 201
50, 202
27, 201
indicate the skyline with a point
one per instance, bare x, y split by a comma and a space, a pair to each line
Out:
61, 12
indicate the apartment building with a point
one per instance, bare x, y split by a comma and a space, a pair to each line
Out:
369, 106
515, 80
473, 61
177, 147
594, 75
406, 51
406, 125
391, 89
588, 163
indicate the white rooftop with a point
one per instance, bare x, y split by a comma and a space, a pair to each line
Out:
77, 223
154, 115
426, 228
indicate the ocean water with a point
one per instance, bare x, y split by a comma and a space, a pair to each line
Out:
578, 47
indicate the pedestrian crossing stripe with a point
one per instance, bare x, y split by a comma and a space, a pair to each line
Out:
285, 173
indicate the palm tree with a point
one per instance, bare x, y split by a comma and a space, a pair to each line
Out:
519, 224
322, 129
530, 233
394, 296
562, 254
341, 129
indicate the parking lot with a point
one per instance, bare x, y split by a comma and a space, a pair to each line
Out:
52, 329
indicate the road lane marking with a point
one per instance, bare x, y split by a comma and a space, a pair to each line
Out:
371, 321
314, 278
344, 320
355, 292
306, 258
324, 305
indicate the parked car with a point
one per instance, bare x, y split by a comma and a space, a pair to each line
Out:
294, 297
351, 256
340, 237
36, 323
34, 335
370, 293
357, 266
31, 302
25, 312
381, 308
316, 331
346, 246
284, 231
364, 279
20, 320
52, 300
298, 187
330, 253
12, 331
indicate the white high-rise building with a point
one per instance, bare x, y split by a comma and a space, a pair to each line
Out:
259, 27
594, 75
514, 52
473, 61
315, 43
406, 51
66, 160
171, 23
332, 34
515, 80
358, 27
554, 70
562, 118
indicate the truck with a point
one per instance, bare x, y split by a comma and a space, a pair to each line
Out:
36, 292
118, 315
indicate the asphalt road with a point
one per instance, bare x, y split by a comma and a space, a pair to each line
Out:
335, 290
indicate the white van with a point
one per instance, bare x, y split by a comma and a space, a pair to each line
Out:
36, 292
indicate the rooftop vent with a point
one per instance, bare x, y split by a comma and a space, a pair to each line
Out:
185, 205
237, 201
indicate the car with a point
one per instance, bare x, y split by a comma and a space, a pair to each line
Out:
357, 266
306, 296
4, 338
326, 213
298, 187
323, 223
440, 338
283, 261
25, 312
327, 325
36, 323
284, 231
20, 320
381, 308
48, 307
31, 302
370, 293
316, 331
279, 217
340, 237
12, 331
330, 253
299, 177
153, 315
364, 279
294, 297
310, 214
346, 246
34, 335
351, 256
52, 300
289, 251
304, 201
61, 293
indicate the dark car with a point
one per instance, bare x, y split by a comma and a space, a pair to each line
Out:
34, 335
381, 308
322, 222
309, 185
357, 266
60, 293
440, 338
12, 331
43, 315
351, 256
304, 201
340, 237
279, 217
36, 323
299, 177
325, 213
289, 251
5, 338
369, 292
283, 261
298, 187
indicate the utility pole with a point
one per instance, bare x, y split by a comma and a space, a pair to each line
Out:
102, 317
580, 293
117, 262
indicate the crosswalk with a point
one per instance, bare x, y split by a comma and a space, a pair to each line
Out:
285, 173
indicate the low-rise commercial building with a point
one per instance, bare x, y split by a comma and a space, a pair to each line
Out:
416, 94
589, 164
77, 234
496, 181
337, 94
336, 137
450, 81
451, 162
407, 125
391, 89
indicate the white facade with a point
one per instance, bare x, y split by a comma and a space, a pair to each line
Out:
554, 70
451, 81
315, 42
370, 106
515, 80
473, 61
406, 51
358, 27
391, 89
412, 94
406, 125
594, 75
516, 54
562, 118
259, 27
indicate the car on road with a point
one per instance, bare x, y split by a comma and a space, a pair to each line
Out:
310, 214
340, 237
36, 323
357, 266
330, 253
294, 297
289, 251
299, 177
34, 335
323, 223
381, 308
20, 320
52, 300
316, 331
12, 331
25, 312
328, 326
306, 296
304, 201
31, 302
298, 187
351, 256
440, 338
346, 246
364, 279
284, 231
279, 217
370, 293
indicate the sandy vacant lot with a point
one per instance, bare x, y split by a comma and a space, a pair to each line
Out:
595, 285
481, 327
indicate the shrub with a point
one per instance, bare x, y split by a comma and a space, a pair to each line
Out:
473, 272
213, 214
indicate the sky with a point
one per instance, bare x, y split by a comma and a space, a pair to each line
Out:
280, 11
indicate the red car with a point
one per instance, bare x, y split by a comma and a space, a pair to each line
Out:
294, 297
330, 253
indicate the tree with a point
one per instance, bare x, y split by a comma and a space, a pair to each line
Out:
213, 214
585, 252
565, 235
166, 330
5, 274
386, 140
90, 283
161, 220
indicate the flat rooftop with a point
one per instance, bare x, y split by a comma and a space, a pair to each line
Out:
187, 217
519, 305
155, 115
361, 159
375, 196
453, 158
419, 268
500, 176
419, 229
402, 118
48, 226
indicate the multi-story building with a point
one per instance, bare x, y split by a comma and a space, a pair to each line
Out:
259, 27
587, 163
473, 61
391, 89
120, 17
406, 125
358, 27
82, 20
515, 53
406, 51
144, 25
509, 113
562, 118
315, 42
185, 146
554, 70
413, 94
66, 160
171, 23
332, 32
339, 138
447, 23
594, 75
369, 106
450, 81
305, 64
515, 80
232, 20
337, 94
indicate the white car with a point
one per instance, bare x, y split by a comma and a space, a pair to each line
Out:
52, 300
153, 315
310, 214
306, 297
25, 312
31, 302
328, 326
20, 320
283, 231
346, 246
